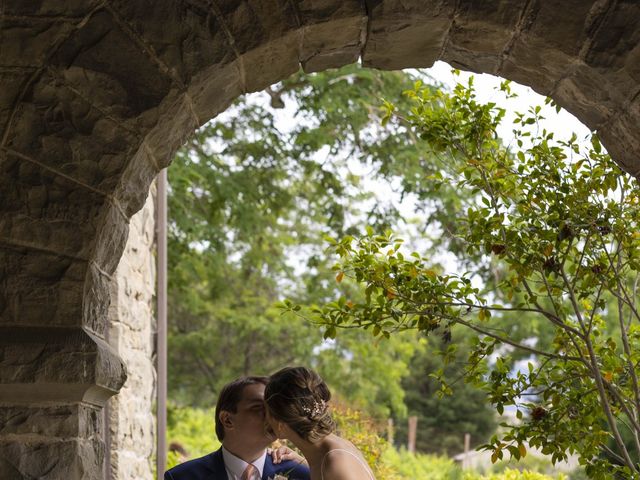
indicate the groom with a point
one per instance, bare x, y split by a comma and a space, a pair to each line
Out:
241, 427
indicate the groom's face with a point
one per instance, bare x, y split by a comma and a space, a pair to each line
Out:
249, 420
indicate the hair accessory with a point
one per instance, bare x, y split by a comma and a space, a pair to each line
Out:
314, 409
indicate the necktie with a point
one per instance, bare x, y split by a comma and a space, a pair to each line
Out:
250, 473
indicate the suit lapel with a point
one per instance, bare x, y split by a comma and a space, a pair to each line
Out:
216, 465
268, 471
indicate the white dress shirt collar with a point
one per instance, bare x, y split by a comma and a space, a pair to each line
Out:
235, 466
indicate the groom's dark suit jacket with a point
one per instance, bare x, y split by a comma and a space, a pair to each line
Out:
211, 467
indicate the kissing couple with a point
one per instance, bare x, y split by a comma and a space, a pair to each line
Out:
252, 412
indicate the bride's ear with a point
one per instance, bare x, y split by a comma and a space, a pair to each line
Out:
282, 427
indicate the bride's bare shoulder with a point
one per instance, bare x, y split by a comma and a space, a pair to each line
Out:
344, 464
337, 467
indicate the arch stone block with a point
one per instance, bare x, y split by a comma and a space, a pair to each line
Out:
404, 34
71, 449
69, 365
37, 285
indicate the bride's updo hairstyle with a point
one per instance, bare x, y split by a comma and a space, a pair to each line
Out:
299, 397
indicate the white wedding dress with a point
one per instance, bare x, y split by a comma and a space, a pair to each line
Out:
364, 465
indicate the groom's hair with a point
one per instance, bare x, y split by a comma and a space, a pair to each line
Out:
230, 396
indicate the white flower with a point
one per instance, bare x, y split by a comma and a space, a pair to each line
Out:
278, 477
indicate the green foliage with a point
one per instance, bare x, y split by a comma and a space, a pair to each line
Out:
442, 421
410, 466
362, 432
512, 475
368, 374
531, 463
193, 429
559, 227
387, 463
250, 204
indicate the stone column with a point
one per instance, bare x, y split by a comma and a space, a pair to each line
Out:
131, 434
53, 384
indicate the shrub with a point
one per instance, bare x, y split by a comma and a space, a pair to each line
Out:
510, 474
408, 466
193, 429
387, 463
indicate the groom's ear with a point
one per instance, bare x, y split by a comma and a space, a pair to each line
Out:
225, 419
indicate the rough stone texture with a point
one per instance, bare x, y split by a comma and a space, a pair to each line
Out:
131, 333
61, 364
322, 48
97, 95
51, 442
404, 34
476, 44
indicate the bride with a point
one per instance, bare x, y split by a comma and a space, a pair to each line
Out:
297, 409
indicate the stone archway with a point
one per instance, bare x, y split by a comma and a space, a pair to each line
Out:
98, 95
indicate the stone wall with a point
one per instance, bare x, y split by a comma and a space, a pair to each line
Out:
131, 436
